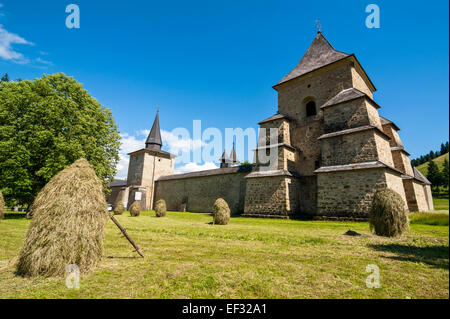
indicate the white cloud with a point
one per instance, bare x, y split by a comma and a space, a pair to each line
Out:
7, 52
129, 144
194, 167
171, 142
42, 61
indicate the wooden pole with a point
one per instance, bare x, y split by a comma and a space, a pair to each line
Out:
124, 232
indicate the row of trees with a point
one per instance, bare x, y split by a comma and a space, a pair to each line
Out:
436, 176
47, 124
445, 148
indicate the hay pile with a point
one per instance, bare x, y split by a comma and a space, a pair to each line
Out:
69, 219
2, 206
118, 208
221, 212
135, 209
160, 208
388, 214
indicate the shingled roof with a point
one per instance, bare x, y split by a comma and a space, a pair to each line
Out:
275, 117
154, 140
385, 121
418, 175
319, 54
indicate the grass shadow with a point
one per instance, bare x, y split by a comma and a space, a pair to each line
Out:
436, 256
15, 216
123, 257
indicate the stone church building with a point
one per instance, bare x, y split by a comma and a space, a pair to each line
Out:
333, 150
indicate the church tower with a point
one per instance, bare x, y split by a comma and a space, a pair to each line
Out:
331, 152
146, 165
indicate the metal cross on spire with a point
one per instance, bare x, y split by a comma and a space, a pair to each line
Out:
319, 27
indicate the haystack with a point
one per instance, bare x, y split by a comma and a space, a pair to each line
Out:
160, 208
69, 219
135, 209
388, 214
2, 206
221, 212
119, 208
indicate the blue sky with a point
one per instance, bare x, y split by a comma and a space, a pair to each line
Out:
217, 60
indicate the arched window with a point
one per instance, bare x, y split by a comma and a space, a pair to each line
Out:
311, 108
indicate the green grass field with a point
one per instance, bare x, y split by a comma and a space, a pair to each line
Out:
186, 257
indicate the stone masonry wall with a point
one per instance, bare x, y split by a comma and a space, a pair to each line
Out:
394, 181
359, 83
345, 115
348, 193
201, 192
349, 148
383, 149
272, 196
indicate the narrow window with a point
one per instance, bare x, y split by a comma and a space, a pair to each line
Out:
311, 108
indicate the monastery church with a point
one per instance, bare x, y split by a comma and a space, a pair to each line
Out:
334, 150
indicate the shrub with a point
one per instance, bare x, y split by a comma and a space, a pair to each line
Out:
119, 209
160, 208
69, 219
388, 215
2, 206
221, 212
135, 209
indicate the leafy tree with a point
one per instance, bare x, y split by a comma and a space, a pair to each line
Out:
445, 174
434, 175
5, 78
47, 124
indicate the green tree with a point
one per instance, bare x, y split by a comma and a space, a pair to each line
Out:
445, 174
434, 175
46, 125
5, 78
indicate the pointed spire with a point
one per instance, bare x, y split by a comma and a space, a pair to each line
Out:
154, 138
224, 157
224, 160
233, 156
319, 54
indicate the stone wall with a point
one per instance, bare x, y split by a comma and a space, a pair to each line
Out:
348, 193
401, 162
272, 196
349, 148
346, 115
200, 192
383, 148
358, 81
394, 181
308, 195
117, 193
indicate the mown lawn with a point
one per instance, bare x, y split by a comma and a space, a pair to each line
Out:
440, 203
185, 257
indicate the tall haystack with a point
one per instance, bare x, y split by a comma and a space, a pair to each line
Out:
160, 208
388, 215
2, 206
119, 208
135, 209
69, 219
221, 212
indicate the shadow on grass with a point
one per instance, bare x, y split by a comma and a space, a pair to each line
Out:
436, 256
15, 216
